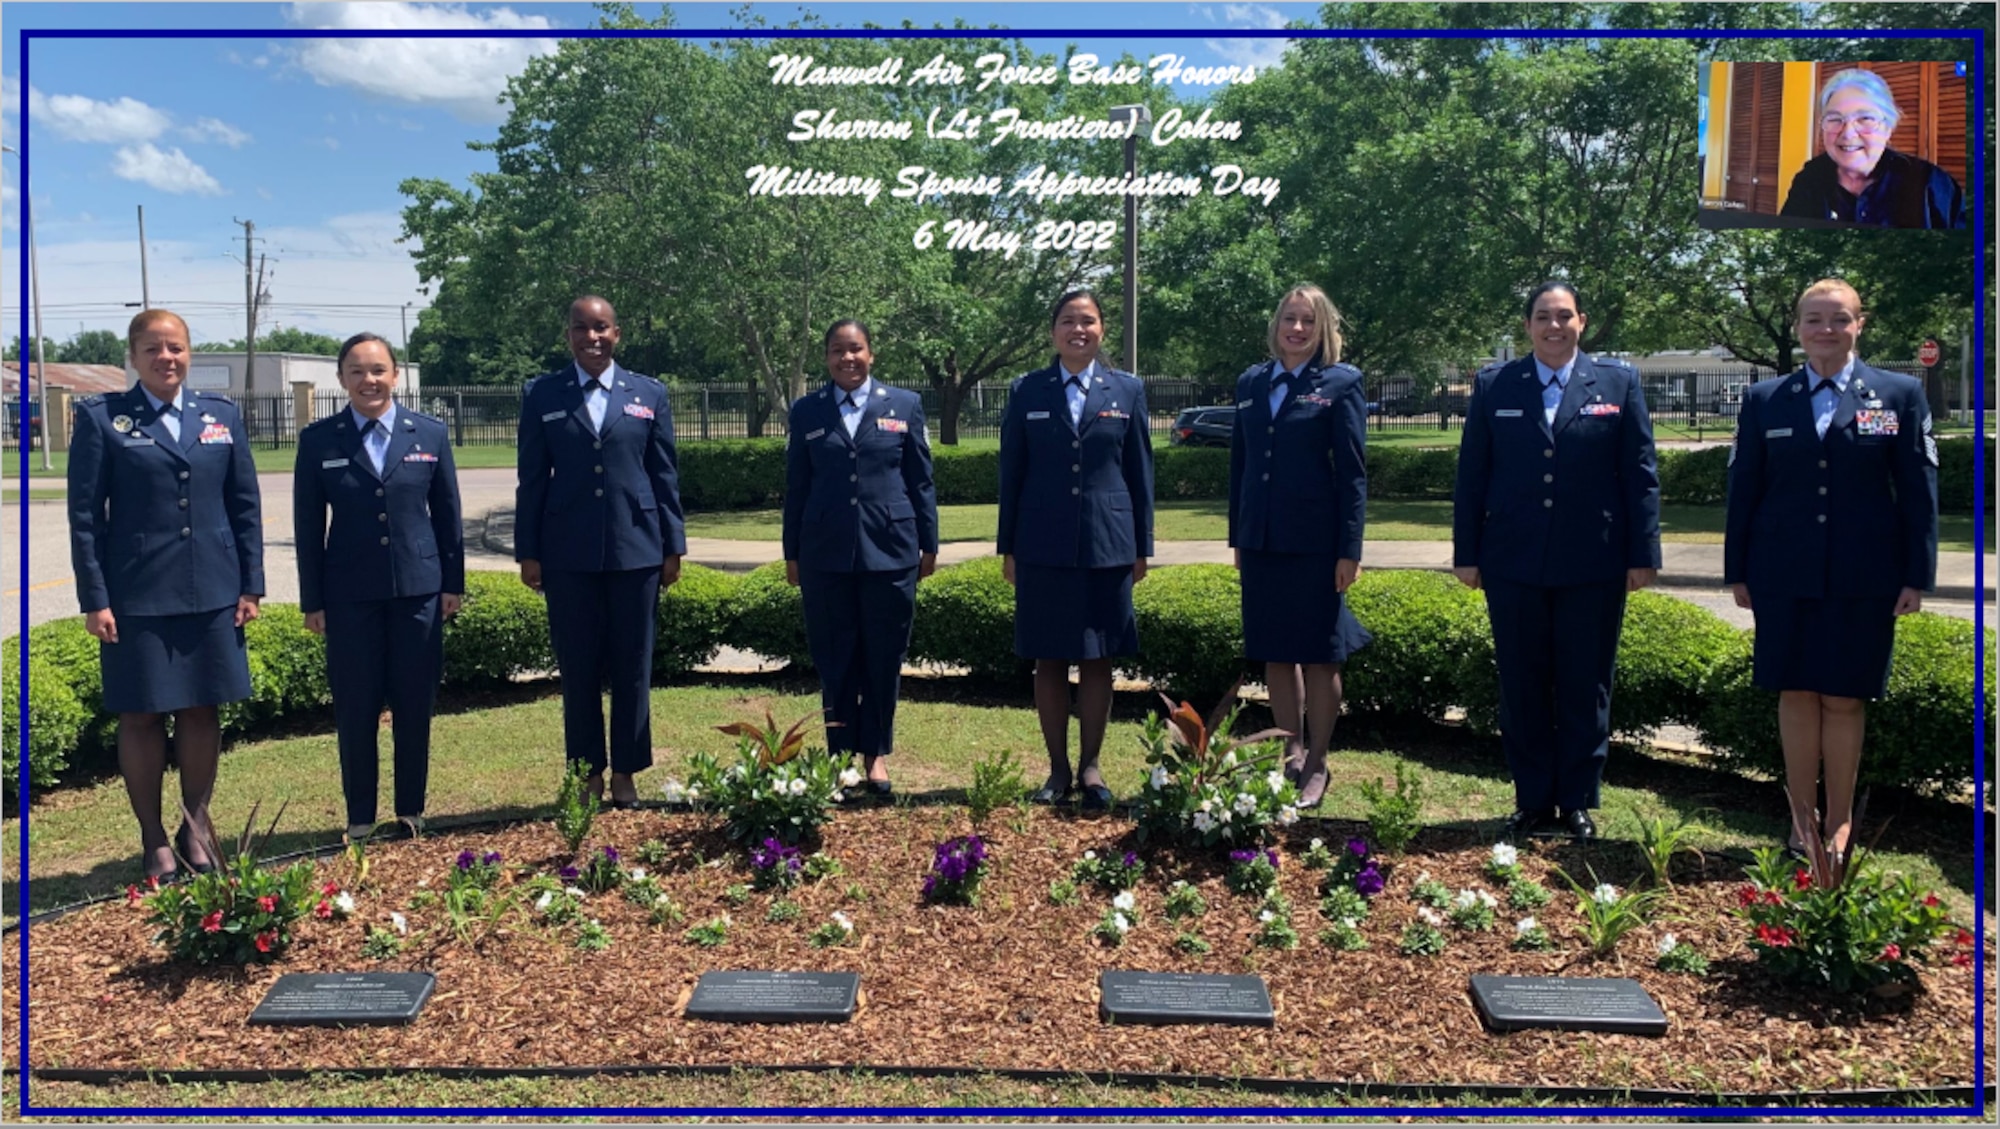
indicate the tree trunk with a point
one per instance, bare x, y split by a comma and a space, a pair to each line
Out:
951, 400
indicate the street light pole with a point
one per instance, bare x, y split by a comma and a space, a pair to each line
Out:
41, 347
1138, 116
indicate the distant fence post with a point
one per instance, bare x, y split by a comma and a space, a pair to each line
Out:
457, 419
302, 404
704, 411
56, 428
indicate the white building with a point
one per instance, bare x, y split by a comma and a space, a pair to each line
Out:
274, 375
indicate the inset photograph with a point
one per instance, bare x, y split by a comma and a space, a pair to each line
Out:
1803, 144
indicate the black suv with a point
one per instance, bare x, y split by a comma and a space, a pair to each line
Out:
1203, 427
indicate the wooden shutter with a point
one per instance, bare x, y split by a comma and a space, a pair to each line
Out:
1756, 111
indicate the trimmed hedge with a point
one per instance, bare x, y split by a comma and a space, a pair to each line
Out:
1678, 664
1918, 735
726, 474
965, 617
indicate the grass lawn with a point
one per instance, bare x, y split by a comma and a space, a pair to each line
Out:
1420, 520
499, 755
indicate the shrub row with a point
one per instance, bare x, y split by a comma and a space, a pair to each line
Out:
1678, 664
750, 473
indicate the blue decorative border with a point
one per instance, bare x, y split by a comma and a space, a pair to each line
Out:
1976, 165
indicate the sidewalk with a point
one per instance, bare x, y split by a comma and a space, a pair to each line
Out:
1683, 566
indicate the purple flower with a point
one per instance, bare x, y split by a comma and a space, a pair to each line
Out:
611, 855
569, 874
954, 864
1131, 860
1368, 882
1272, 857
467, 860
490, 858
1358, 847
1243, 858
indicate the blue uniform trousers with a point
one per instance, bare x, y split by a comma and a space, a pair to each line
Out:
602, 624
858, 626
1555, 647
384, 652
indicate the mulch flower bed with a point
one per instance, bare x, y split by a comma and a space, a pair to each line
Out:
1009, 983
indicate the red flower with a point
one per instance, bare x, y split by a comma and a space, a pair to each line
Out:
1746, 895
1774, 936
1772, 897
212, 923
323, 910
268, 903
1963, 940
153, 882
132, 896
1931, 900
1891, 951
266, 939
1802, 879
329, 890
1962, 960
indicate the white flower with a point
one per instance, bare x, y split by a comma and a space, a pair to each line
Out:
1180, 884
638, 874
725, 918
736, 771
797, 787
1288, 815
693, 793
1223, 815
1125, 901
1121, 923
1348, 923
1229, 759
849, 777
662, 900
846, 924
1668, 943
1525, 926
1465, 899
1317, 844
1504, 854
1090, 856
1159, 778
837, 796
1245, 803
542, 903
1424, 876
1207, 803
1605, 894
344, 902
401, 923
1486, 899
574, 892
1267, 915
674, 790
1429, 915
1274, 780
1203, 821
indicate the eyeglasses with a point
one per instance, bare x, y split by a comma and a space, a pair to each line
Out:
1863, 123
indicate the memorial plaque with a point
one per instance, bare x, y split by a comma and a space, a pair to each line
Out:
1566, 1003
774, 997
344, 999
1183, 997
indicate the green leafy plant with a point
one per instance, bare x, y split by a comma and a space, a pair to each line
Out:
1395, 818
1526, 893
1424, 936
592, 937
1316, 856
1108, 872
1274, 924
1530, 936
1184, 901
1660, 839
1112, 927
381, 944
576, 807
1252, 873
1677, 955
710, 933
1472, 910
654, 852
855, 892
1861, 931
1343, 903
237, 914
821, 866
996, 783
1205, 789
475, 870
1428, 891
836, 931
1343, 935
1191, 943
777, 789
663, 911
736, 895
1504, 863
602, 873
783, 910
1062, 892
1608, 914
640, 888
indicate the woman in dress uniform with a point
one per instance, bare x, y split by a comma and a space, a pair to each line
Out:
380, 582
860, 529
166, 538
1298, 490
1076, 527
1832, 534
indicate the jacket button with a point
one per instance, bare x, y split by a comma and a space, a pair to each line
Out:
1270, 431
184, 503
385, 540
600, 491
857, 501
597, 469
853, 478
597, 446
381, 517
1074, 490
184, 475
1822, 519
378, 491
1074, 444
184, 529
1267, 454
1076, 468
1548, 452
1822, 466
1548, 478
853, 454
1267, 476
1822, 491
1548, 503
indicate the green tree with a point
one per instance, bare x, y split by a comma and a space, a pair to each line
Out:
93, 347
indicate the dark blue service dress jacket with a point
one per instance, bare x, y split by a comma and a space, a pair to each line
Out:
1578, 503
159, 527
597, 503
394, 535
863, 503
1853, 515
1077, 497
1298, 483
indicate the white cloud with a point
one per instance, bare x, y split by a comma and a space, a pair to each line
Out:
1263, 54
1253, 15
170, 171
332, 143
76, 118
263, 193
465, 76
221, 132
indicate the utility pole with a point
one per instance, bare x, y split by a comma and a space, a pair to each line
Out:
145, 290
41, 342
249, 306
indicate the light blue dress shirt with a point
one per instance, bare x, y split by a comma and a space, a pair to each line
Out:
1076, 385
1825, 400
1554, 382
169, 410
375, 440
595, 401
853, 404
1278, 390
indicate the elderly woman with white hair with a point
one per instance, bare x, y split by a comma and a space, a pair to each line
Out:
1856, 178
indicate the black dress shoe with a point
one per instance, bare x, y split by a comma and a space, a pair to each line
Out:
1096, 797
1052, 792
1522, 824
1577, 822
181, 845
881, 791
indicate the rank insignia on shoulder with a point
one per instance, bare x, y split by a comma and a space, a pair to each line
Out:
206, 418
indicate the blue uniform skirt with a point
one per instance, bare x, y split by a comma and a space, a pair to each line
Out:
173, 662
1841, 647
1073, 613
1291, 613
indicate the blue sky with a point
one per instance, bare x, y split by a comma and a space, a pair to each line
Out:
308, 137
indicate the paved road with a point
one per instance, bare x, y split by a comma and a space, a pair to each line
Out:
1692, 572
